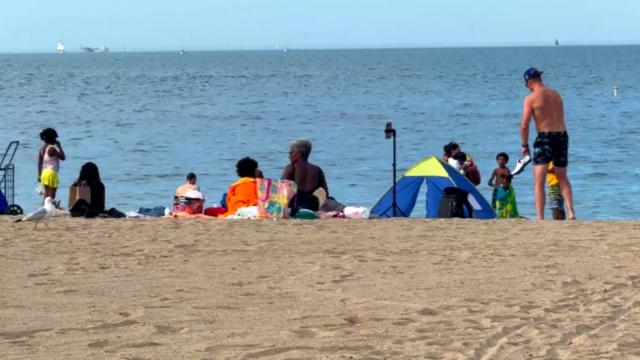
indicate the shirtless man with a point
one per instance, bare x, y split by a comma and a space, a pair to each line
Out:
190, 185
552, 142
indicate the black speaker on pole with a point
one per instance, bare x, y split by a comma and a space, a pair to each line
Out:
390, 133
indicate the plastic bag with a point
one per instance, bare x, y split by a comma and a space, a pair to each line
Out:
40, 190
351, 212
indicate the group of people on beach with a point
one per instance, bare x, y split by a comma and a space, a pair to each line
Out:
550, 156
49, 158
311, 184
550, 160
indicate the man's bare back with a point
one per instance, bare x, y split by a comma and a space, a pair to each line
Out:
545, 106
547, 110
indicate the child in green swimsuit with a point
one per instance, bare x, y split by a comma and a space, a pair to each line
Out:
506, 205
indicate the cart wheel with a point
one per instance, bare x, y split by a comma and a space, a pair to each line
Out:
14, 210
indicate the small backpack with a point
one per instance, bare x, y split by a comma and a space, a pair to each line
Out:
453, 202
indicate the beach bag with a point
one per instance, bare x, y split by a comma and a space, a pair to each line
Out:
82, 208
453, 202
184, 206
274, 197
79, 192
332, 205
351, 212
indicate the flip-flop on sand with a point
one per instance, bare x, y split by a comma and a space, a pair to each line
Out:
521, 164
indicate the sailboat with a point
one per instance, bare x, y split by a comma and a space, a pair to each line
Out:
557, 43
60, 48
182, 47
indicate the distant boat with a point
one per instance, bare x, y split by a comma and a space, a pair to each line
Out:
557, 43
102, 49
60, 48
182, 52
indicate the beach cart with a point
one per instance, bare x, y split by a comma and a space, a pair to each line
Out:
7, 182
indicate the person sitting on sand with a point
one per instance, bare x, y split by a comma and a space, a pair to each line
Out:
506, 206
90, 176
190, 185
244, 192
308, 177
502, 159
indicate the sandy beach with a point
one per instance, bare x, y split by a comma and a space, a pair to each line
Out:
335, 289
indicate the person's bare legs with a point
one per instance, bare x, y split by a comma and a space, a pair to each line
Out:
565, 189
49, 192
539, 178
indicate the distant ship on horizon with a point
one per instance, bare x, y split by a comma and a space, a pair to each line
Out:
60, 48
102, 49
557, 43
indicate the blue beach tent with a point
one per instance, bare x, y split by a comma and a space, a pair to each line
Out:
3, 203
438, 175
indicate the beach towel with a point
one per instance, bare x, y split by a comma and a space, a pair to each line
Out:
250, 212
274, 198
241, 194
506, 206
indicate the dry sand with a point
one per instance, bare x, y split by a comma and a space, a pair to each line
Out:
335, 289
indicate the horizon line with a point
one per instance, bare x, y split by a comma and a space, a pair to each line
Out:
54, 52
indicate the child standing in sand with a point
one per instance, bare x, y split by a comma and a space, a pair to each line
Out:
556, 201
49, 158
502, 159
506, 206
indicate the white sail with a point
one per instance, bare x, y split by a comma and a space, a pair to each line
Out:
60, 48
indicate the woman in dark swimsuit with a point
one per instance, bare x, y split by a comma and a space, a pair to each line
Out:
307, 176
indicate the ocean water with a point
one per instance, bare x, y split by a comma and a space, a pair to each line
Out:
147, 119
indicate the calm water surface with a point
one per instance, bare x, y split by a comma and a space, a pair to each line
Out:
147, 119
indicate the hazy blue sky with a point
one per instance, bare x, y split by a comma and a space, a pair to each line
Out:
28, 25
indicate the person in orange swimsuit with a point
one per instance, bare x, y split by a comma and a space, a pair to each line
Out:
244, 192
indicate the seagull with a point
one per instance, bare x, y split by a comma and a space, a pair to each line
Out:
42, 214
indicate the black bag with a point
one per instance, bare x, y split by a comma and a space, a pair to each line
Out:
82, 208
452, 203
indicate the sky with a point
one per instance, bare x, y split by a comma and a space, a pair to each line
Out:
164, 25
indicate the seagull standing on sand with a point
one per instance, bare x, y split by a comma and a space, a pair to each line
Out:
42, 214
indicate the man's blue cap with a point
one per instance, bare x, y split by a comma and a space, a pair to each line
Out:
532, 73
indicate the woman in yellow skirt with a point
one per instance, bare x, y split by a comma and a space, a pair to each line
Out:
49, 158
